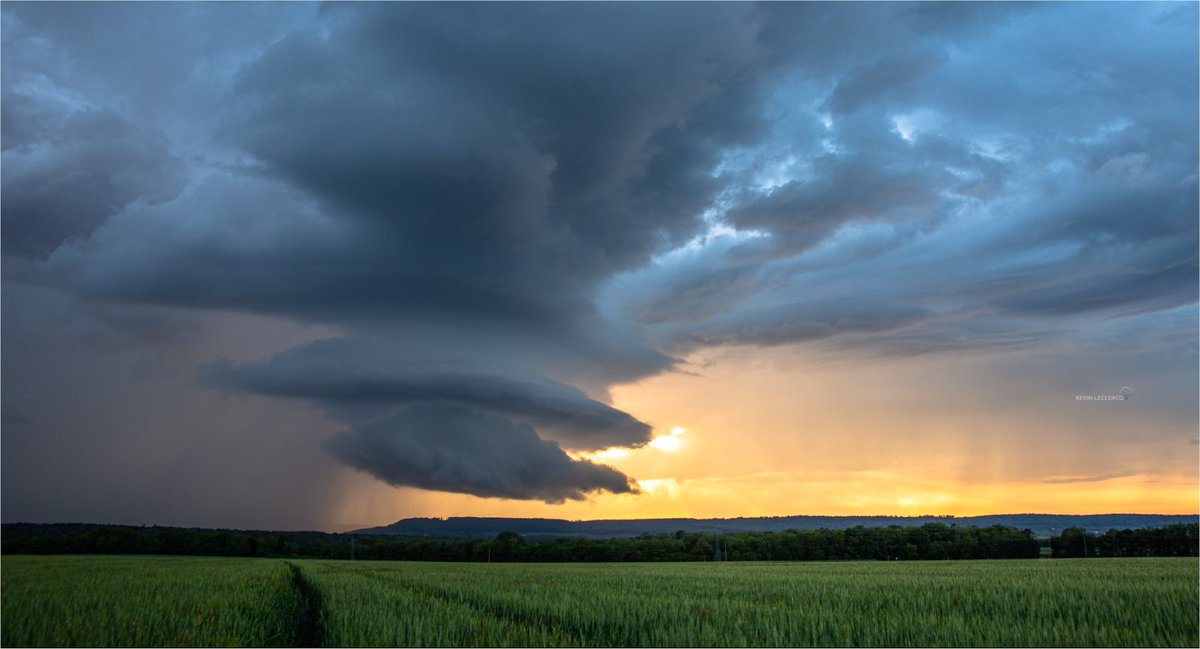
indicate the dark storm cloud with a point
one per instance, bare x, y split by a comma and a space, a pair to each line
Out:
801, 321
698, 293
448, 447
982, 227
491, 166
1157, 279
505, 209
844, 188
867, 84
357, 379
89, 119
567, 137
252, 244
500, 173
64, 175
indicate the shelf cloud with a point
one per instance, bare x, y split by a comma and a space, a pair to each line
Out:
494, 213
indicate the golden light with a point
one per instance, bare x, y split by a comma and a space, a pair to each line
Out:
669, 443
614, 453
660, 487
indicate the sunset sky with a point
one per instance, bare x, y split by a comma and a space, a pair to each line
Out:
326, 266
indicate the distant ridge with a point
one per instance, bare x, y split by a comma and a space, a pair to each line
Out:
1042, 525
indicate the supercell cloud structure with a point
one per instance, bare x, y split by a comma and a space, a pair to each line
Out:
496, 212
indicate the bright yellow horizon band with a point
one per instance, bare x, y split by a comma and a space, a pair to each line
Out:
781, 433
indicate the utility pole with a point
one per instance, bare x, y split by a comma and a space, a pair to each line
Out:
352, 547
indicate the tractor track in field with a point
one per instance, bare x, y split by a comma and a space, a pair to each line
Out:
576, 637
309, 630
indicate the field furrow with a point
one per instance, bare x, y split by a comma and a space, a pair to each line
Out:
156, 601
1085, 603
359, 609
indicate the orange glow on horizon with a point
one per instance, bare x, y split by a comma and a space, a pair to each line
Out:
763, 434
793, 495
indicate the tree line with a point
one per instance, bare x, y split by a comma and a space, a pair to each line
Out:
931, 541
1169, 541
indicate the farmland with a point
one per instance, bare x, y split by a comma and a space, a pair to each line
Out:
160, 601
109, 601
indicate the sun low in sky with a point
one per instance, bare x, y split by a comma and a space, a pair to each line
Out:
328, 266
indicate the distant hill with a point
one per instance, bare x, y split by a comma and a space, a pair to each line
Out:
1042, 525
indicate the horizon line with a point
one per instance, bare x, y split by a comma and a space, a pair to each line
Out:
352, 528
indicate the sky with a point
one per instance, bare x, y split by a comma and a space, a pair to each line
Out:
326, 266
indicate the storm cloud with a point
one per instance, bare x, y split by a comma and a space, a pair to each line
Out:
497, 212
66, 174
452, 448
355, 380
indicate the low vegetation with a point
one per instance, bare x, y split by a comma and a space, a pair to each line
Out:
148, 602
107, 601
1028, 603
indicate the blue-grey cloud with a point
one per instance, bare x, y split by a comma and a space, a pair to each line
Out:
1011, 224
65, 174
503, 210
448, 447
360, 378
867, 83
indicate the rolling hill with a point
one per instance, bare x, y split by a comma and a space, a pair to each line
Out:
1042, 525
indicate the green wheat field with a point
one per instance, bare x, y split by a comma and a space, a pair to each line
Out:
165, 601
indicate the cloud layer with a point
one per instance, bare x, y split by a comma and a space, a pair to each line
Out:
453, 448
504, 210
